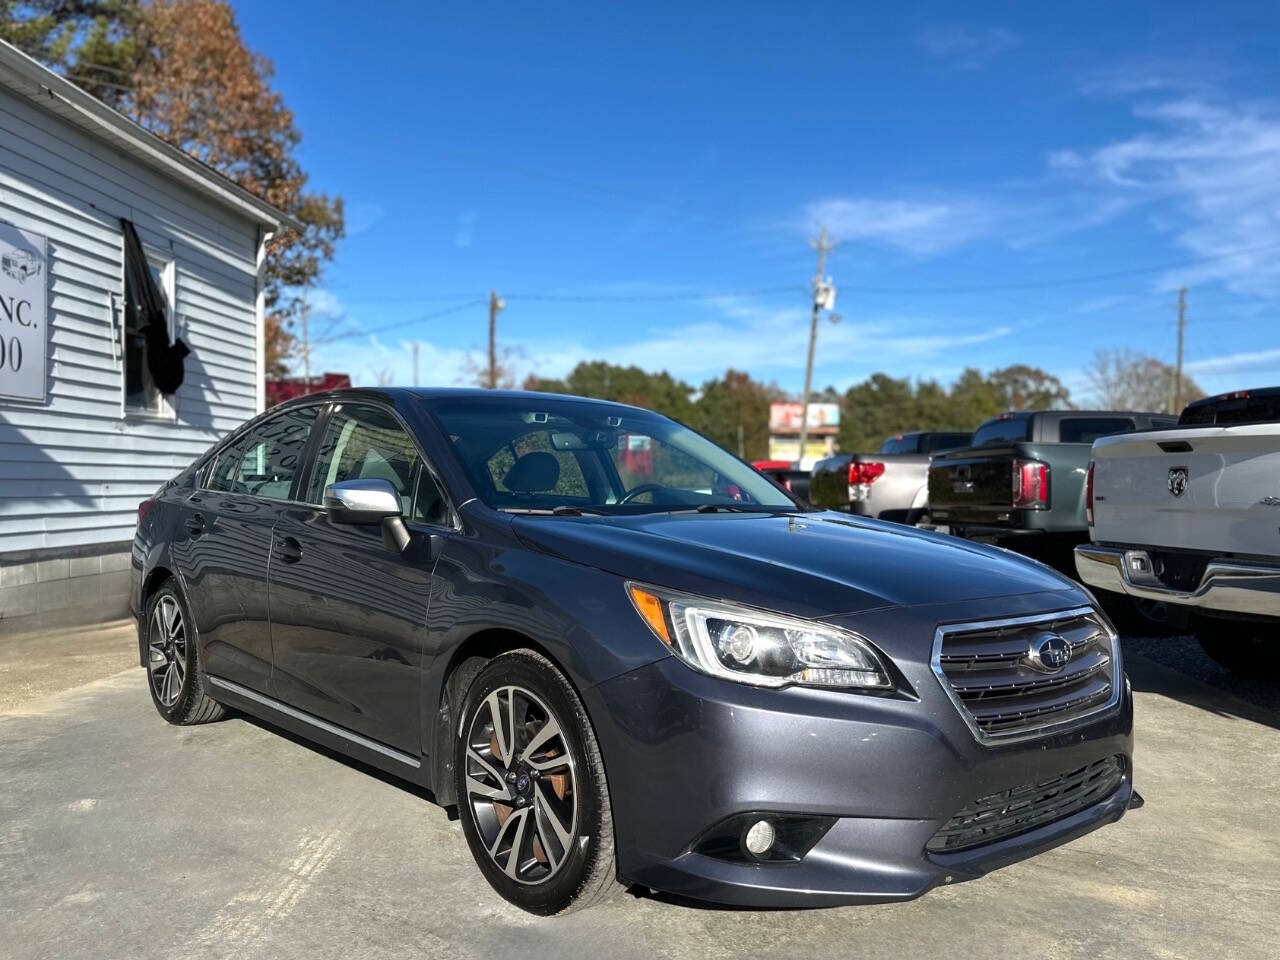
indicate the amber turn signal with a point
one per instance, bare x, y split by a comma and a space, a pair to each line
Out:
650, 607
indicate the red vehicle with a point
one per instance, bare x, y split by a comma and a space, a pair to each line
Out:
786, 474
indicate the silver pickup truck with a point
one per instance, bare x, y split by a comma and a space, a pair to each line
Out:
1189, 519
889, 485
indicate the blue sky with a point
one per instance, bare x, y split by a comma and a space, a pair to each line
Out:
1008, 183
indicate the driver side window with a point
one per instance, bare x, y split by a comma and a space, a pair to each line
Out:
365, 442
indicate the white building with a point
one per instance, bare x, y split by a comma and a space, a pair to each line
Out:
84, 432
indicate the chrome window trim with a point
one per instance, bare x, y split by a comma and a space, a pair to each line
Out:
1061, 726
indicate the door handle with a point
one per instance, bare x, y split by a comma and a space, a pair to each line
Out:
195, 524
290, 550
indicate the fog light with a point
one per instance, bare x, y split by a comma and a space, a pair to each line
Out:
759, 839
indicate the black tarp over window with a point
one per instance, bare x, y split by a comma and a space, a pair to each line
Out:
145, 310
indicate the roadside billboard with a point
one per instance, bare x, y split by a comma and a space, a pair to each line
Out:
787, 417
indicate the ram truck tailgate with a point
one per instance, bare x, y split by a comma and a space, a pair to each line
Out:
1212, 489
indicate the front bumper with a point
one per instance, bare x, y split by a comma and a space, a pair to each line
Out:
684, 751
1227, 585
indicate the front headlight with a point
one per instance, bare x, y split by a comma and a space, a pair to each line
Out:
752, 646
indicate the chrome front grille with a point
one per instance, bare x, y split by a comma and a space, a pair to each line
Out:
1001, 676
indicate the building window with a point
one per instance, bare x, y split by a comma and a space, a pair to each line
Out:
141, 395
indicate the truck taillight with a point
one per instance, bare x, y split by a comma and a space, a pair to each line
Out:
1030, 484
1088, 494
861, 476
144, 508
864, 472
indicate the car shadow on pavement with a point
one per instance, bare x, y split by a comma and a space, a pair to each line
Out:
407, 786
1175, 668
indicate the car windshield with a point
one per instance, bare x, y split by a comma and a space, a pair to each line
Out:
563, 455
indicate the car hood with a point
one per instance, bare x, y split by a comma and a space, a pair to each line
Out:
810, 564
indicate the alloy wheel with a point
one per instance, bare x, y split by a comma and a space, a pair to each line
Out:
522, 784
167, 651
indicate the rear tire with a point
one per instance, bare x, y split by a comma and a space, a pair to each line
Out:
531, 788
1243, 647
174, 674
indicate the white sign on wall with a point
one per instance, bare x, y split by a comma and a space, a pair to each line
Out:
23, 313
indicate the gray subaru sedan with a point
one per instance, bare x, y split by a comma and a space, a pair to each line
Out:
624, 657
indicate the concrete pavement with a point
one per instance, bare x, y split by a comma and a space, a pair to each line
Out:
121, 836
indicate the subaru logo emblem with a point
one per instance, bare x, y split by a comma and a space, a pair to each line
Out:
1049, 652
1178, 480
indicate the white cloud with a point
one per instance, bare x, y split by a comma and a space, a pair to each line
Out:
363, 216
1215, 166
967, 48
1233, 363
370, 358
742, 334
921, 228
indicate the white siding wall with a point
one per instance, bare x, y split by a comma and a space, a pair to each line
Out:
72, 471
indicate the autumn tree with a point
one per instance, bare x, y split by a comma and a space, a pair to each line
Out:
180, 69
736, 402
606, 381
878, 407
1128, 380
1021, 387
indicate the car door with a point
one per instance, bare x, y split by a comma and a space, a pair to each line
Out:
348, 614
227, 523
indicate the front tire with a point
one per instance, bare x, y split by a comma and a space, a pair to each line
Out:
531, 788
174, 676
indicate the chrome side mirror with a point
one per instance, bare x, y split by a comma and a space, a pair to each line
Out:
361, 501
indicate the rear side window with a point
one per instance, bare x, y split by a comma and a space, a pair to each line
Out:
1260, 407
946, 441
264, 461
1089, 429
901, 444
995, 433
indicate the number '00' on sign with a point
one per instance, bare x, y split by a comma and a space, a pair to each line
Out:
11, 354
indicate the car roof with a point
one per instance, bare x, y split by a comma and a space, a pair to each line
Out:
392, 394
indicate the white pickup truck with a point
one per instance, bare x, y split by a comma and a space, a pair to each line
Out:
1189, 518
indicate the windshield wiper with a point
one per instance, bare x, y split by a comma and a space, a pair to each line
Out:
563, 510
715, 508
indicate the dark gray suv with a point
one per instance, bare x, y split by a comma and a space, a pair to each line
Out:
625, 657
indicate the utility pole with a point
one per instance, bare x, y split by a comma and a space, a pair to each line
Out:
495, 305
823, 296
306, 342
414, 343
1182, 326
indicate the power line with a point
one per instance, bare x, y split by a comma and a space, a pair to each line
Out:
704, 295
599, 298
456, 308
1063, 282
654, 297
